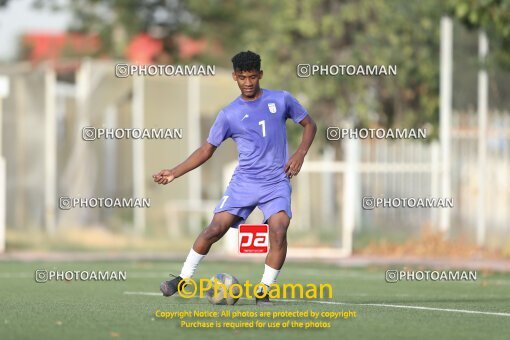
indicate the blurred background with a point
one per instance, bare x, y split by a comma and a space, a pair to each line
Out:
57, 75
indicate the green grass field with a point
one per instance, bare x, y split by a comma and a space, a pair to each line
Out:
106, 310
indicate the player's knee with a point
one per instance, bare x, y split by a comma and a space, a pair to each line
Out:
278, 234
214, 231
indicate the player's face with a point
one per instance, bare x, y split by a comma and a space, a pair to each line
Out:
248, 82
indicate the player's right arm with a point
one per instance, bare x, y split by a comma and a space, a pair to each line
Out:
219, 132
196, 159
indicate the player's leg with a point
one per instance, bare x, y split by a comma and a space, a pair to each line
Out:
277, 212
278, 225
219, 225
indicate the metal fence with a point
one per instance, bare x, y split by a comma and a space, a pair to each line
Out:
46, 157
333, 189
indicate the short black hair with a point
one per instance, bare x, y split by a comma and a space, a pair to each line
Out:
246, 61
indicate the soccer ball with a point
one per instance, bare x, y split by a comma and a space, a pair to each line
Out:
224, 290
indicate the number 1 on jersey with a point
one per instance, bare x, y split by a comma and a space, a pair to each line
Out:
263, 123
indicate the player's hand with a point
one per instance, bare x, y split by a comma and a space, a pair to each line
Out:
164, 176
294, 164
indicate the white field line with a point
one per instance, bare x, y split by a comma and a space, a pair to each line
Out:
143, 293
354, 274
16, 275
384, 305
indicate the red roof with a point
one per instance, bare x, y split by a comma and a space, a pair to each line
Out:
54, 46
143, 49
189, 47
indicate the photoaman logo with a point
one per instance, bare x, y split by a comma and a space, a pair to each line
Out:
189, 288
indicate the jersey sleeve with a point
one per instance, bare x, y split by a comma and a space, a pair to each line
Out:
295, 110
220, 130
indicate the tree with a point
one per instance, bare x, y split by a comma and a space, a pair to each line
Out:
288, 33
493, 16
362, 32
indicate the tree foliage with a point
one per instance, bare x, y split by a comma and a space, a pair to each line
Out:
493, 16
287, 33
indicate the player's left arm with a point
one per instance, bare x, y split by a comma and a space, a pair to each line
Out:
295, 162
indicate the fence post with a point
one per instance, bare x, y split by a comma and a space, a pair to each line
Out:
351, 199
483, 49
328, 188
194, 177
50, 174
4, 92
138, 112
3, 190
435, 172
445, 114
304, 204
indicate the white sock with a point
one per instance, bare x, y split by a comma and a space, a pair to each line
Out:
191, 263
269, 276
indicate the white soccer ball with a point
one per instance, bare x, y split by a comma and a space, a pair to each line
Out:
224, 292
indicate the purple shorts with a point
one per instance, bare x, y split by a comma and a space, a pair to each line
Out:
241, 198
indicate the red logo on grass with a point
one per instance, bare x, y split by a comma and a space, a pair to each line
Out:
253, 238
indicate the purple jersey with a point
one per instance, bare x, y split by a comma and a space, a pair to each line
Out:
258, 128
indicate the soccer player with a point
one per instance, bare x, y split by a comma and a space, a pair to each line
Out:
256, 122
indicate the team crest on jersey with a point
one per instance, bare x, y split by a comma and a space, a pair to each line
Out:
272, 107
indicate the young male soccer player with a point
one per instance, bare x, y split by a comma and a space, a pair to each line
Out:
256, 122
